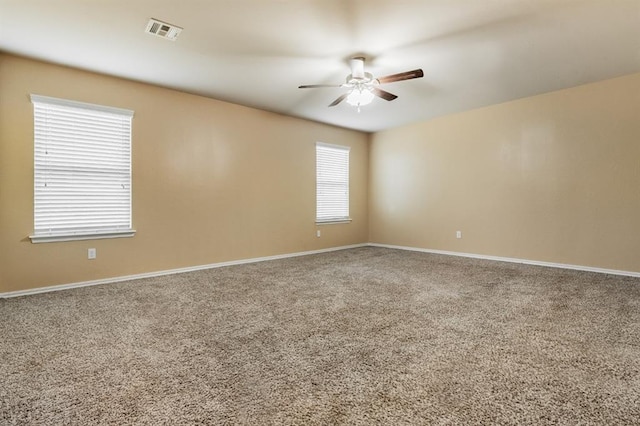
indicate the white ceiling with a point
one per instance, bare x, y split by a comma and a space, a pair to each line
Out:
257, 52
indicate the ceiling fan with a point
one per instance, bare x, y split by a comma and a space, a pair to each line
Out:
363, 87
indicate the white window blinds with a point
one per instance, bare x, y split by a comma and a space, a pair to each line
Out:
82, 180
332, 183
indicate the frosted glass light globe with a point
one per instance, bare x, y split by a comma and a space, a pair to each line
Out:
359, 97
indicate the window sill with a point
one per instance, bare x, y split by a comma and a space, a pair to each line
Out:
36, 239
333, 221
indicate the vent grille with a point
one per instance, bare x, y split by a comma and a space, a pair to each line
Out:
162, 29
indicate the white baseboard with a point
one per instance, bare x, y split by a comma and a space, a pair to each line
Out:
306, 253
514, 260
170, 272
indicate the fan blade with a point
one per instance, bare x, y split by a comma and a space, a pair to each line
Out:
340, 99
383, 94
408, 75
315, 86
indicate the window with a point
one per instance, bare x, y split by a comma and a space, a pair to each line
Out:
332, 183
82, 178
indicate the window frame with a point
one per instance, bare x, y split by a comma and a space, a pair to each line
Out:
325, 220
77, 231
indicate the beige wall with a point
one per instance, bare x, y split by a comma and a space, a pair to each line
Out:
551, 178
212, 181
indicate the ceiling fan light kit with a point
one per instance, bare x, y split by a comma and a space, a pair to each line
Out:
363, 87
360, 96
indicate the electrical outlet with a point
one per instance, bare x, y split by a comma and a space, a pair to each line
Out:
91, 254
318, 233
458, 234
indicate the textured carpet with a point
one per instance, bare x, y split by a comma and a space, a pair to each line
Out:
362, 336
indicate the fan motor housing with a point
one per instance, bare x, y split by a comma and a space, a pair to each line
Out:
368, 77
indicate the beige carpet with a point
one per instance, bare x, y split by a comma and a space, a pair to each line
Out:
363, 336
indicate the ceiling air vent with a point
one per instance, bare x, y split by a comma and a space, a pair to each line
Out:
162, 29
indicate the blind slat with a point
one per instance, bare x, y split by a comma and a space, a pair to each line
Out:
332, 182
82, 160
